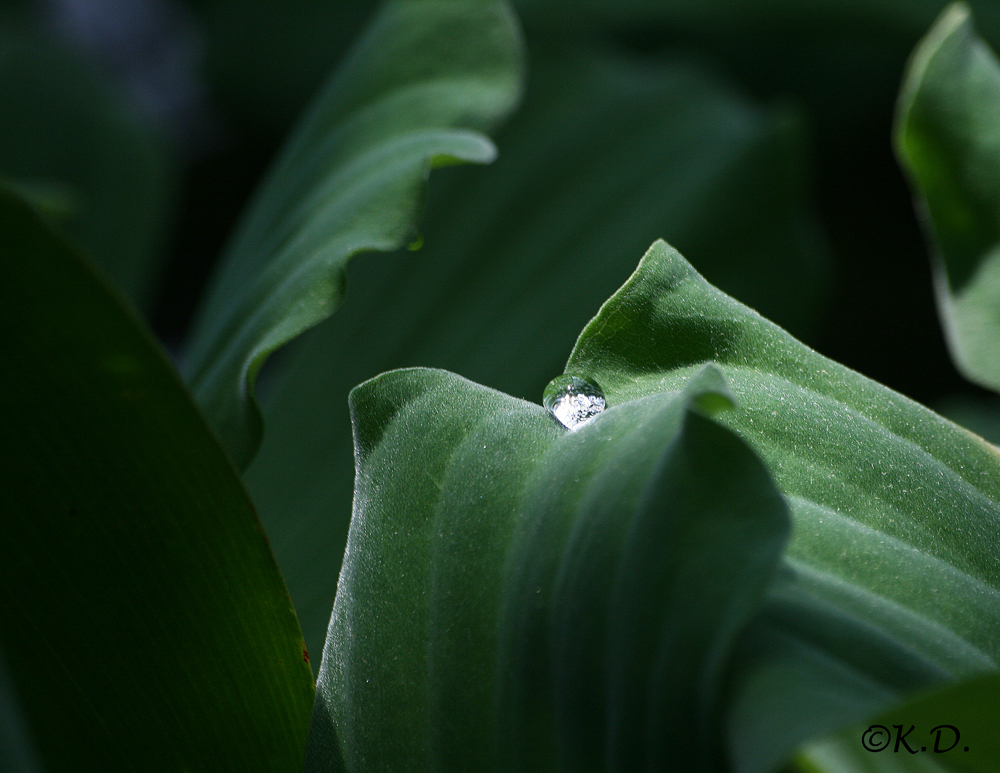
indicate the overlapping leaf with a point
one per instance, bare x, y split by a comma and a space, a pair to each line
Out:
606, 154
466, 505
893, 572
948, 139
143, 620
515, 593
415, 93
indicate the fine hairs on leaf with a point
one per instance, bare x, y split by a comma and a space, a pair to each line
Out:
695, 544
879, 592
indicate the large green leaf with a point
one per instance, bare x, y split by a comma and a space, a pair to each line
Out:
142, 617
838, 61
890, 584
892, 578
515, 592
949, 730
72, 146
948, 139
415, 93
607, 154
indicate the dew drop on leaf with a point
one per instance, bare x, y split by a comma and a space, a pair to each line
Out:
573, 400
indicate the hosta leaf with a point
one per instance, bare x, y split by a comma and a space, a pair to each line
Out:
951, 730
415, 93
515, 593
948, 139
892, 579
143, 620
517, 258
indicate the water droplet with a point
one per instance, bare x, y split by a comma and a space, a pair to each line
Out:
574, 400
416, 244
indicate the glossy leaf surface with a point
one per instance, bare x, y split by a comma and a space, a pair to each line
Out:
415, 93
948, 140
517, 257
892, 577
143, 620
516, 592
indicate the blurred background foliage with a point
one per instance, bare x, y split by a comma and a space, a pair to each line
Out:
755, 137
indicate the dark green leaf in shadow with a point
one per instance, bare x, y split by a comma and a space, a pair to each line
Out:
514, 592
838, 59
142, 617
652, 542
90, 167
951, 730
948, 140
415, 93
892, 579
606, 155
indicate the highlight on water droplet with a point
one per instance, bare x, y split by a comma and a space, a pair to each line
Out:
416, 244
574, 400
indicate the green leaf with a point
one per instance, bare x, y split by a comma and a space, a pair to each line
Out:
74, 150
892, 579
519, 256
414, 94
142, 616
948, 140
949, 730
514, 592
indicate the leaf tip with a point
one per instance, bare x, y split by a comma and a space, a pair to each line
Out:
709, 391
955, 17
